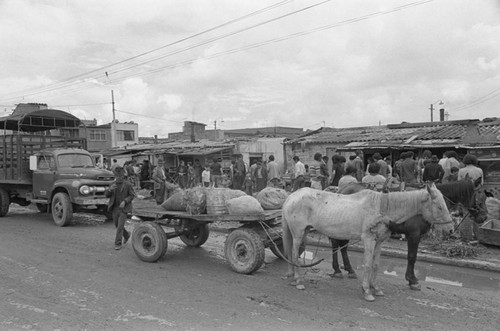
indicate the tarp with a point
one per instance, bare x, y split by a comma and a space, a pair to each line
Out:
39, 120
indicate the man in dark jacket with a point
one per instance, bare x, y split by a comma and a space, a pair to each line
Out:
433, 171
120, 194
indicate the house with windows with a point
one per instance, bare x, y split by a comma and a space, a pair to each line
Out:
107, 136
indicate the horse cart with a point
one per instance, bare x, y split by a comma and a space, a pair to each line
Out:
244, 247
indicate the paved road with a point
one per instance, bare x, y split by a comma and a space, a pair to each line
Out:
72, 279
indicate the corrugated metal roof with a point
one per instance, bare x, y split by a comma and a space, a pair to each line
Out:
452, 132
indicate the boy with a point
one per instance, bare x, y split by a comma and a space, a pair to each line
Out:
205, 176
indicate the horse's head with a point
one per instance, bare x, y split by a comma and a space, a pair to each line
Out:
435, 210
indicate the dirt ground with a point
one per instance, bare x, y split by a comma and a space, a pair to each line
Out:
71, 278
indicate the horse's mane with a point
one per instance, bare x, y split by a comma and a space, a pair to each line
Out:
458, 192
409, 201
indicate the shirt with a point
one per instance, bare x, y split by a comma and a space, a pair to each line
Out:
473, 172
273, 170
300, 169
205, 175
315, 171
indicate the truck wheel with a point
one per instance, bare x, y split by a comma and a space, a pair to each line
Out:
42, 208
4, 202
62, 209
244, 250
149, 241
197, 236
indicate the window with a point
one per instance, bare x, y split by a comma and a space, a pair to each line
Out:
123, 135
46, 162
97, 135
75, 161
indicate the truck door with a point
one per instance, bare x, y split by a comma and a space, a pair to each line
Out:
44, 177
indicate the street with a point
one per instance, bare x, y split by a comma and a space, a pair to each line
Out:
71, 278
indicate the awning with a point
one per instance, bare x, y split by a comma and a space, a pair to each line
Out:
39, 120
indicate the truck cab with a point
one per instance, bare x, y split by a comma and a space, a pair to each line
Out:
66, 181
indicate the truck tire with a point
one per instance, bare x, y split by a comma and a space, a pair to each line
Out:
244, 250
197, 236
4, 202
62, 209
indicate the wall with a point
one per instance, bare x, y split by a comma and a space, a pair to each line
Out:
263, 147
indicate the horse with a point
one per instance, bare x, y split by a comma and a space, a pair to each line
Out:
365, 215
466, 193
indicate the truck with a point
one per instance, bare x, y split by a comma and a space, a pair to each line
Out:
55, 173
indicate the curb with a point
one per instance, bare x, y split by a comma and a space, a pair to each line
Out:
402, 254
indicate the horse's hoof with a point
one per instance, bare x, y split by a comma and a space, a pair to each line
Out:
295, 283
378, 292
300, 287
337, 275
352, 275
415, 287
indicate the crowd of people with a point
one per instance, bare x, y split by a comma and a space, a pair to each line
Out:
380, 171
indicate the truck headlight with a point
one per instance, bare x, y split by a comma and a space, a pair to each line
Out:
85, 190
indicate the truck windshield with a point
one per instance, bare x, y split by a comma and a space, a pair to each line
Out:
75, 161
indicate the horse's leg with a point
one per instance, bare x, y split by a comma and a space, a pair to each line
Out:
376, 261
369, 245
413, 242
345, 258
335, 261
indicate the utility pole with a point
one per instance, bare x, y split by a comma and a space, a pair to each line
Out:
113, 124
432, 110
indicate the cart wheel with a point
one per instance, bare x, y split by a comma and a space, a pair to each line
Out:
197, 236
149, 241
62, 209
4, 202
279, 251
244, 251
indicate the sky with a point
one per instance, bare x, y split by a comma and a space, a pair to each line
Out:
234, 64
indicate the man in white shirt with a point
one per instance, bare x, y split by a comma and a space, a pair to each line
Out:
471, 169
298, 174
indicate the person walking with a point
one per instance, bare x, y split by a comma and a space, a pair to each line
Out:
215, 173
324, 172
120, 194
260, 175
182, 174
205, 176
198, 169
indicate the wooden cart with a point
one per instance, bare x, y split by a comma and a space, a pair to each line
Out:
244, 246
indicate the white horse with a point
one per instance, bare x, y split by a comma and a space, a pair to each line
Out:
364, 215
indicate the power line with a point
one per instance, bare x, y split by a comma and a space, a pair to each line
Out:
103, 68
490, 95
147, 116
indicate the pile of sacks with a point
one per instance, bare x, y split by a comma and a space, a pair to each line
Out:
493, 207
201, 200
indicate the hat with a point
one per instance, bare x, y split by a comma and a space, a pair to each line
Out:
434, 158
119, 172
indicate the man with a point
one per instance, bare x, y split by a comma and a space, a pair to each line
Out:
382, 164
273, 172
433, 171
358, 164
298, 174
239, 172
315, 172
409, 169
471, 170
120, 194
159, 179
260, 175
